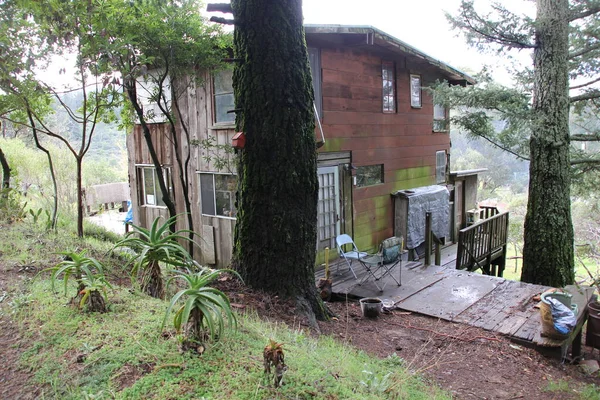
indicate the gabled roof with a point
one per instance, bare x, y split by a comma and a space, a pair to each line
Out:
368, 36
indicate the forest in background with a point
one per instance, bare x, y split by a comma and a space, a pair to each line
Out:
106, 162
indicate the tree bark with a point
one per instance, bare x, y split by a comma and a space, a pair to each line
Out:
275, 233
548, 241
79, 162
5, 171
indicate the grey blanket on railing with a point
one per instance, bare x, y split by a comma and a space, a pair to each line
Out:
435, 199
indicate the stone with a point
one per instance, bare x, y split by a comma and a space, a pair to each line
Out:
589, 366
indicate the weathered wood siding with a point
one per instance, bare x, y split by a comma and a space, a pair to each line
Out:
139, 155
404, 142
194, 111
353, 121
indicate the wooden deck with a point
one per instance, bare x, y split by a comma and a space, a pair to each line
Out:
492, 303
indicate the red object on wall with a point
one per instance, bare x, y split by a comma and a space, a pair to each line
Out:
239, 140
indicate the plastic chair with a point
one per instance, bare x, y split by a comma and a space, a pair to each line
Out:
382, 264
351, 255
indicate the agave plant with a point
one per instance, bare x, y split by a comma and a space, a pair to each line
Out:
152, 247
203, 310
75, 265
93, 295
89, 275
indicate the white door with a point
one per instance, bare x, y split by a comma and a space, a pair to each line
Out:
328, 207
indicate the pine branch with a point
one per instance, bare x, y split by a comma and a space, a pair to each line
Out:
584, 50
586, 13
504, 32
593, 161
593, 94
503, 147
586, 137
585, 84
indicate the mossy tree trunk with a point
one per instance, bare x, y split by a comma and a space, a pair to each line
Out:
275, 236
548, 243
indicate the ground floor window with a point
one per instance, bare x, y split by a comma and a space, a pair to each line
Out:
369, 175
217, 194
150, 194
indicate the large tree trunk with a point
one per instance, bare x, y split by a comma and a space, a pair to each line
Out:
275, 233
548, 245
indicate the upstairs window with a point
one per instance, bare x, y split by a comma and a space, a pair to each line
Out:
369, 175
314, 58
223, 97
150, 189
389, 84
440, 118
415, 91
217, 194
440, 166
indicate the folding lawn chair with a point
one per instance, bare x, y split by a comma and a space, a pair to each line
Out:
353, 254
382, 264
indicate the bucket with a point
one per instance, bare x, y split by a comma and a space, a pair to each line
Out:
592, 337
546, 313
563, 297
371, 307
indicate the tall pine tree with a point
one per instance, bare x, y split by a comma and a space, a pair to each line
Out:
275, 232
565, 45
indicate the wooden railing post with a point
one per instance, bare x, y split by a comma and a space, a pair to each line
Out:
438, 249
427, 238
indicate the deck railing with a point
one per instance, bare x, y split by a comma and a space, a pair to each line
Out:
483, 243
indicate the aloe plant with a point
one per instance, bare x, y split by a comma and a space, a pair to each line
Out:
152, 247
203, 310
93, 295
89, 275
74, 265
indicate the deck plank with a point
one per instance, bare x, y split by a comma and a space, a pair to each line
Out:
492, 303
450, 296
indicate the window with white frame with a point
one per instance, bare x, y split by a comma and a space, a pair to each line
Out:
217, 194
389, 84
440, 119
223, 97
415, 91
150, 194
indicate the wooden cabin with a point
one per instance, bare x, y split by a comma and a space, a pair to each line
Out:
382, 133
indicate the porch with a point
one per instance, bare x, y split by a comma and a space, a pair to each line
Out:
484, 301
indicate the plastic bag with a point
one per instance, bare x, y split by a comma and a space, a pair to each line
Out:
563, 317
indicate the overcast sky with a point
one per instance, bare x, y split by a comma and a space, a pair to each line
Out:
421, 24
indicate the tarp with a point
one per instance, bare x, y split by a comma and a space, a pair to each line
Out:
435, 199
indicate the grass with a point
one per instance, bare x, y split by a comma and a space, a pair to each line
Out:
129, 337
124, 355
587, 392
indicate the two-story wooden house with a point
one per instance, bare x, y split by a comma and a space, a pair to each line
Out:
382, 133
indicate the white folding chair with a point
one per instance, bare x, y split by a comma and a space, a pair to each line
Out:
353, 254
